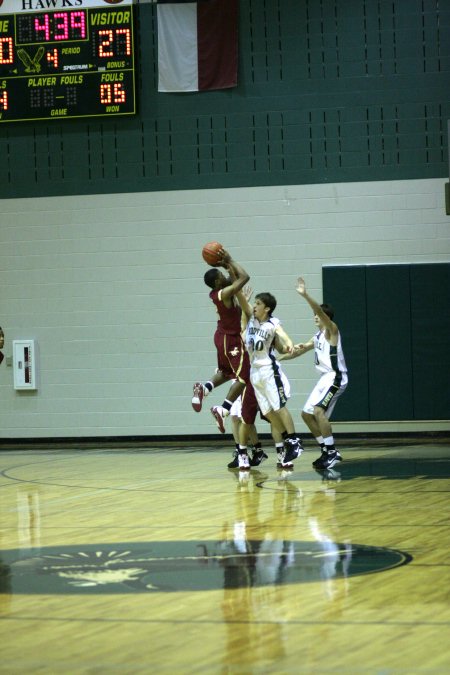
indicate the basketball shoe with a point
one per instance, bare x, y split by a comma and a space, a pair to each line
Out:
293, 449
258, 457
197, 397
317, 462
280, 457
234, 464
328, 460
219, 415
288, 466
244, 463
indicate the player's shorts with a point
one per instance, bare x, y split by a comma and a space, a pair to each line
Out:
325, 394
236, 408
232, 357
272, 388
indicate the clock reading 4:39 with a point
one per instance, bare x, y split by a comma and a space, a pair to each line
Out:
67, 63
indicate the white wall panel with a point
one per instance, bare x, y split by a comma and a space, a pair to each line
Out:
111, 287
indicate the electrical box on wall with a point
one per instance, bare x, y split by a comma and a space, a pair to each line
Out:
24, 364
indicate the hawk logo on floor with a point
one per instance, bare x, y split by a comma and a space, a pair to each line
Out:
143, 567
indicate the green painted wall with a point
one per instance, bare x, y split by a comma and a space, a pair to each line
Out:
329, 91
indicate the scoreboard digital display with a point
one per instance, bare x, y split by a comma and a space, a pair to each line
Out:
76, 61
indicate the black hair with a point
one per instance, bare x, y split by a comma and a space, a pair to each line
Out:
210, 277
268, 300
329, 311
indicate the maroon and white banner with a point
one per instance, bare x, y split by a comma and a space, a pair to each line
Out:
197, 45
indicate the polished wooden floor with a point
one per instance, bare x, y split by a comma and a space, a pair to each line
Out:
160, 560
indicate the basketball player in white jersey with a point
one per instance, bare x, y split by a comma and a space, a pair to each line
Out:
264, 334
330, 362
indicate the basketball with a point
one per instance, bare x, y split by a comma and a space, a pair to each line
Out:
210, 253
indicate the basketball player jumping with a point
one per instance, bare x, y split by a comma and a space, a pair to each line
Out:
232, 358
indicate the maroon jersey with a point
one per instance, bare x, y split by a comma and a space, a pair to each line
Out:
232, 357
229, 322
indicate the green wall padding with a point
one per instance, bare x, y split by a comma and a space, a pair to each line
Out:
329, 91
389, 342
430, 317
395, 326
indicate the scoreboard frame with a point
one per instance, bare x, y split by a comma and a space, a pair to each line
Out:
74, 60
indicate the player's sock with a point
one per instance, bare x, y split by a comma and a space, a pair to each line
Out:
227, 405
329, 444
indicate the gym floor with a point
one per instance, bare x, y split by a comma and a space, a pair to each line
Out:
161, 560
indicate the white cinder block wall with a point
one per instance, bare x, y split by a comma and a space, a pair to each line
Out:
111, 287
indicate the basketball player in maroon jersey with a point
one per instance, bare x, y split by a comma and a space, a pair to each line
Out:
232, 358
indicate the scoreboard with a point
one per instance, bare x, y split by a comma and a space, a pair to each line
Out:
73, 61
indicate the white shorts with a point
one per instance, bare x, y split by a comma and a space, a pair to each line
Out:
325, 394
236, 408
272, 388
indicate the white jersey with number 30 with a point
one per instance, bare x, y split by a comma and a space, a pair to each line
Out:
271, 385
259, 340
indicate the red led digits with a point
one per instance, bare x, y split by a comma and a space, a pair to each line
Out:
119, 93
52, 58
126, 38
105, 94
106, 37
115, 42
112, 93
61, 30
6, 50
60, 26
42, 27
78, 23
4, 100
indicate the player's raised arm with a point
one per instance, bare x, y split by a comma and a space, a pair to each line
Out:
243, 297
325, 320
239, 277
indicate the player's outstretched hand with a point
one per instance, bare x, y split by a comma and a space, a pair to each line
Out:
248, 292
301, 288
